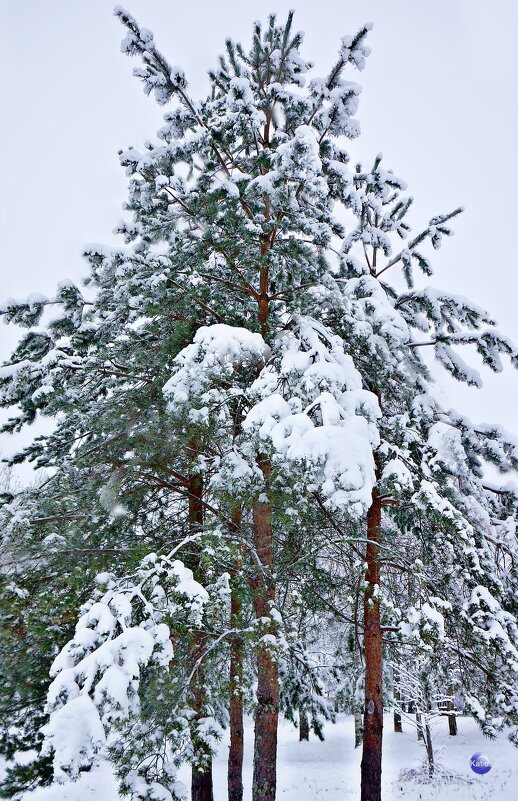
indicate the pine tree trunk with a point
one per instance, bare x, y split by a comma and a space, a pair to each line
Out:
398, 726
201, 781
235, 755
429, 749
452, 719
452, 725
201, 784
303, 725
373, 714
267, 710
264, 783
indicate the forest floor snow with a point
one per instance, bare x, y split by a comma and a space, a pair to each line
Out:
330, 770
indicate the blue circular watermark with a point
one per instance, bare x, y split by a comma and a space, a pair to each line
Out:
480, 763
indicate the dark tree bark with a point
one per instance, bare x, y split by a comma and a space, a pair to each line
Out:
452, 720
201, 784
267, 710
373, 713
398, 726
303, 725
429, 749
235, 754
201, 781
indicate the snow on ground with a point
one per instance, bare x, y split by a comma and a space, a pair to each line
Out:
98, 785
330, 771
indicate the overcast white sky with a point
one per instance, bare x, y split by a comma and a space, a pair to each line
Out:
439, 100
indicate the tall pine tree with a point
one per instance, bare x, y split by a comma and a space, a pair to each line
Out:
236, 377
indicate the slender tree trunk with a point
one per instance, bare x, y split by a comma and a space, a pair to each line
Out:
429, 749
267, 710
235, 754
452, 719
419, 725
373, 714
452, 725
303, 725
398, 726
201, 781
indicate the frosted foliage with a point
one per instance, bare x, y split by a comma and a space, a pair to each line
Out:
306, 405
158, 76
337, 118
299, 158
446, 442
424, 620
323, 420
97, 673
387, 324
493, 623
397, 473
217, 352
153, 791
76, 735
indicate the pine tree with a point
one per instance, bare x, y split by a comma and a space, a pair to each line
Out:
237, 377
231, 214
432, 515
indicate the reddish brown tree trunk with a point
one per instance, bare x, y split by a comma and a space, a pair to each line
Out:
235, 754
201, 781
263, 307
373, 713
267, 710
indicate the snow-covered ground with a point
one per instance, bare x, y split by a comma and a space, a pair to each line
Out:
330, 770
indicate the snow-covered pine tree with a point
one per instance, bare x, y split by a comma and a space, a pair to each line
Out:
242, 355
33, 624
49, 576
231, 217
434, 516
262, 138
44, 581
